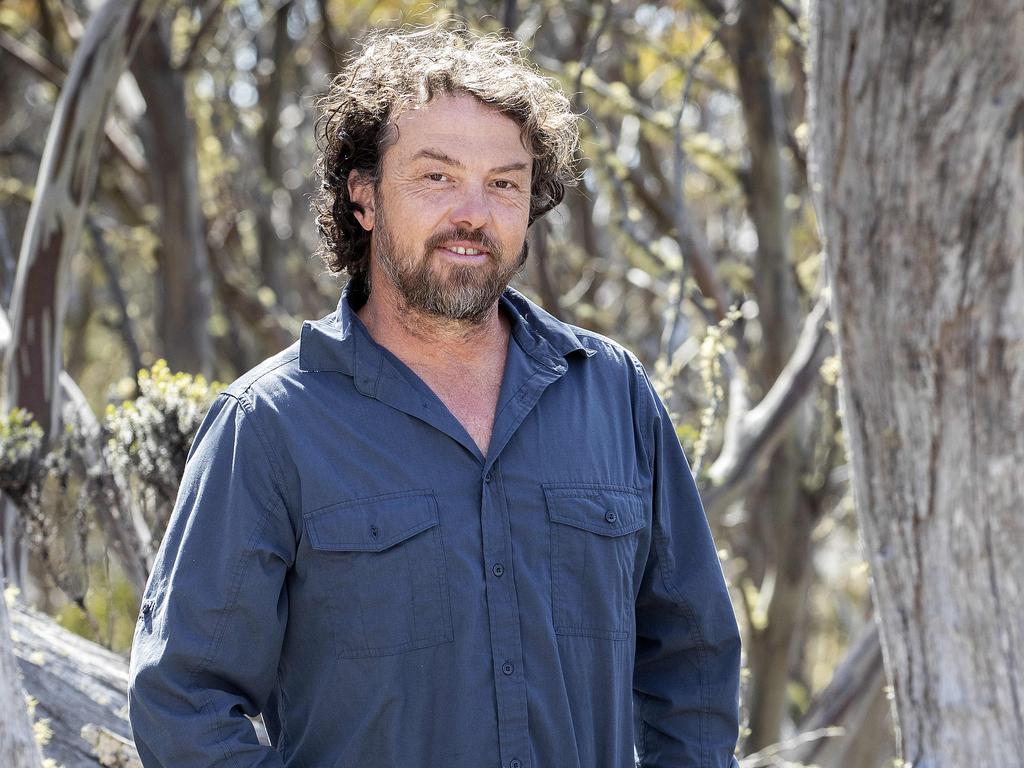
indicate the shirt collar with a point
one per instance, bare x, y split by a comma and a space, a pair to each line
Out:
340, 342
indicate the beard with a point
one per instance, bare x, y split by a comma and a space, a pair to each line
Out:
460, 292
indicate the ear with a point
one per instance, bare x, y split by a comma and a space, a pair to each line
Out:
360, 192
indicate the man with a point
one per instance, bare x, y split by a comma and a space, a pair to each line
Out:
443, 530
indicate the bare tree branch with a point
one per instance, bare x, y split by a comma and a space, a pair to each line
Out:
31, 59
110, 273
752, 434
211, 14
271, 324
44, 68
589, 51
693, 246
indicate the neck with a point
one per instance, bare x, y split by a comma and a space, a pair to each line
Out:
417, 337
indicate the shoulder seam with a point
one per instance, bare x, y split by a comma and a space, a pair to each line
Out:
645, 393
246, 405
249, 384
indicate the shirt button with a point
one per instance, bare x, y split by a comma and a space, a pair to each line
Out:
515, 764
610, 516
498, 569
508, 668
488, 477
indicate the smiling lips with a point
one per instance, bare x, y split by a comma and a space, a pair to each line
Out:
466, 251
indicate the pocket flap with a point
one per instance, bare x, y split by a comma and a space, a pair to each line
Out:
603, 509
373, 524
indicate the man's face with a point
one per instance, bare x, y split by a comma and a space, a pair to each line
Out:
450, 212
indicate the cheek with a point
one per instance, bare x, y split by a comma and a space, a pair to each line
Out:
511, 213
514, 223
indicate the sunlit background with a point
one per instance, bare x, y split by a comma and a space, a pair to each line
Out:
690, 239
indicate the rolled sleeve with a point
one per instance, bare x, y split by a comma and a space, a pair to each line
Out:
209, 634
686, 676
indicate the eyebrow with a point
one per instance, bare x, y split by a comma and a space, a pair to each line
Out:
435, 154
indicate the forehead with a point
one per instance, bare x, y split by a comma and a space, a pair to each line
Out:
462, 127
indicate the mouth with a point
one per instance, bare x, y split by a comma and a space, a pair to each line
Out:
465, 253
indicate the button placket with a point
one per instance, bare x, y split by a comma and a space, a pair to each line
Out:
503, 619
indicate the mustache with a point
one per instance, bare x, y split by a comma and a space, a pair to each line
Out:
474, 236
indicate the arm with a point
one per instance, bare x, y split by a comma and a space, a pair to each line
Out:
209, 634
686, 678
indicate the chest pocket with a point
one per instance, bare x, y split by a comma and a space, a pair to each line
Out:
593, 558
382, 559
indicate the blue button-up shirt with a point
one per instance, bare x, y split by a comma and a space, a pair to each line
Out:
343, 559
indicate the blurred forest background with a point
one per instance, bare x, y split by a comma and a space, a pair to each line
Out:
691, 239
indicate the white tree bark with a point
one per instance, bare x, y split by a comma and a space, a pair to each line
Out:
64, 187
81, 689
18, 747
917, 148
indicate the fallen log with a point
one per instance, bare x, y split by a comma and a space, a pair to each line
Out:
81, 693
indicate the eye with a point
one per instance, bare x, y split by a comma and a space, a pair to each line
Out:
436, 176
506, 184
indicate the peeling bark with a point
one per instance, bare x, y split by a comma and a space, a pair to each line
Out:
66, 180
917, 161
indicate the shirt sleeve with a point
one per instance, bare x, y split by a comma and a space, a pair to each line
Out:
686, 677
209, 633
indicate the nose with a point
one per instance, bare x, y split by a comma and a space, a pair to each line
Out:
470, 210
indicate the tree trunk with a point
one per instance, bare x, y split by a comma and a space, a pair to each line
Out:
780, 516
272, 89
183, 300
64, 187
917, 139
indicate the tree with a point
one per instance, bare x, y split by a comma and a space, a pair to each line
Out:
693, 203
917, 141
17, 746
67, 176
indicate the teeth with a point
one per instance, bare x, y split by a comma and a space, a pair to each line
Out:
465, 251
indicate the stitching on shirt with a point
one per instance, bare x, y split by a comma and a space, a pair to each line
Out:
367, 499
581, 489
359, 546
442, 576
249, 411
250, 384
517, 395
686, 609
584, 490
645, 419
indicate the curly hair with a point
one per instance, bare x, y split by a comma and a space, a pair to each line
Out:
399, 69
